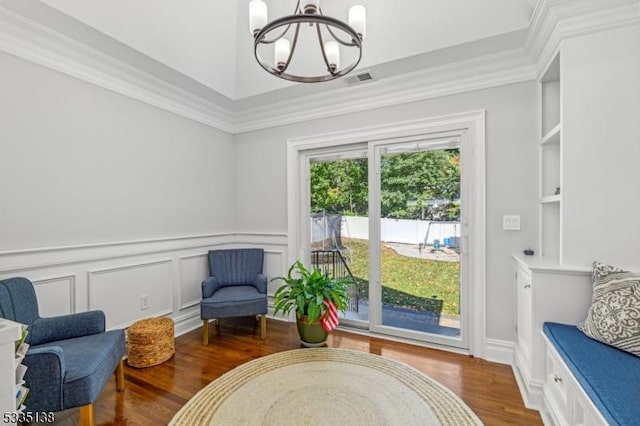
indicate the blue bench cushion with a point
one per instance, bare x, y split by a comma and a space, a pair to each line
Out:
609, 376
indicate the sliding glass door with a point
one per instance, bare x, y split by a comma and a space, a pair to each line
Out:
386, 215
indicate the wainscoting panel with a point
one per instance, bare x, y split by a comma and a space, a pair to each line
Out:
193, 270
130, 292
56, 295
113, 276
20, 262
274, 266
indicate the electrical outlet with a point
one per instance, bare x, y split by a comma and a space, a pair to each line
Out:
511, 223
144, 302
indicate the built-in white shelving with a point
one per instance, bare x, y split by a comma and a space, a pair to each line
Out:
21, 348
545, 291
551, 162
551, 199
552, 137
9, 332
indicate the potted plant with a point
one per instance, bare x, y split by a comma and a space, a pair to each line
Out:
316, 298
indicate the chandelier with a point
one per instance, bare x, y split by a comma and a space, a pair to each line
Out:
330, 32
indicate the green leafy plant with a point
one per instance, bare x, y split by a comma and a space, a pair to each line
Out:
305, 291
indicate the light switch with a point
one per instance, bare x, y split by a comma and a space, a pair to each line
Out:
511, 223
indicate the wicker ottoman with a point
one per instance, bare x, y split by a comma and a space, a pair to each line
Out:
151, 342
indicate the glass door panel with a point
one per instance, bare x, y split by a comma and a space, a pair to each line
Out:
419, 240
417, 233
338, 198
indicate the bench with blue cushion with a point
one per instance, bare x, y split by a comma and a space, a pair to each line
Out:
609, 376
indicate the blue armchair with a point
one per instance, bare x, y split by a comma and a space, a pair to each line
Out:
70, 357
236, 287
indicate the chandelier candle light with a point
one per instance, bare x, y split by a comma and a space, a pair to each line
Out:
331, 33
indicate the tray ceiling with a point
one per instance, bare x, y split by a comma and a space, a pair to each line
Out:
209, 40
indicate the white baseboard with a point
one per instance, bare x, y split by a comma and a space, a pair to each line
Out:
500, 351
187, 323
530, 390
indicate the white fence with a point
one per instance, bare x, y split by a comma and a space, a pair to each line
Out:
396, 230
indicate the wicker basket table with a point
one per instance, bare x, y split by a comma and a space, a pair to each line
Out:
151, 342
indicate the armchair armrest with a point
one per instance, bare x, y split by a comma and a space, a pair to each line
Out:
261, 283
209, 286
44, 330
44, 378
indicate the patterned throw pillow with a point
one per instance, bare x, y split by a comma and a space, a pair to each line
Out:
614, 315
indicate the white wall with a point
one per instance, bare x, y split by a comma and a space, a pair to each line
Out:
511, 183
135, 194
80, 164
600, 80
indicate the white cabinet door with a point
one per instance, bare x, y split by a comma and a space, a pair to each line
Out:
524, 309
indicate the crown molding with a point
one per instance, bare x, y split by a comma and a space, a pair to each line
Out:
556, 20
31, 41
483, 72
552, 21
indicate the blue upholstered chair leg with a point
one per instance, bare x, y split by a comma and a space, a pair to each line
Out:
263, 326
205, 332
86, 415
205, 328
120, 376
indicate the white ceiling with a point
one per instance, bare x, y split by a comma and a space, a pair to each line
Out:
209, 40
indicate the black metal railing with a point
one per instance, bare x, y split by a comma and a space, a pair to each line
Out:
332, 262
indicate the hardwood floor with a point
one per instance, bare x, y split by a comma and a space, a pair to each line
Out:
153, 395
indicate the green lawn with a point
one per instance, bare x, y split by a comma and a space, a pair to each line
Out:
406, 281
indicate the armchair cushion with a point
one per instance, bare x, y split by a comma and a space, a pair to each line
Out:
234, 301
86, 365
44, 330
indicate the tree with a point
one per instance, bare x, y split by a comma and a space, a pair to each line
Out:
340, 187
412, 181
411, 184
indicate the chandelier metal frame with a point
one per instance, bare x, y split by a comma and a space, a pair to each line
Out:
313, 17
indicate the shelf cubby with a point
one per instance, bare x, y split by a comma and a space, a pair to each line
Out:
551, 161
